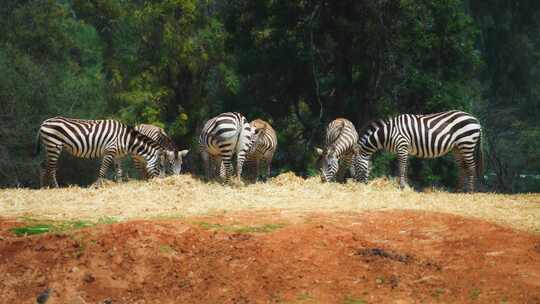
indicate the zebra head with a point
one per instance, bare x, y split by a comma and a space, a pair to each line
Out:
360, 164
330, 164
173, 160
149, 150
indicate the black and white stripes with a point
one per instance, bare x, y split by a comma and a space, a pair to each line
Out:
173, 159
341, 136
222, 137
263, 147
424, 136
109, 139
228, 138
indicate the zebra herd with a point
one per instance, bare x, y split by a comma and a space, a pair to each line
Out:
228, 142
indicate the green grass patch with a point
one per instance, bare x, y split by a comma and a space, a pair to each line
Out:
266, 228
305, 297
437, 293
107, 220
35, 226
475, 294
169, 216
166, 249
353, 300
31, 230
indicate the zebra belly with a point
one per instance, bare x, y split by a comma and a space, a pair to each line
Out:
90, 154
437, 152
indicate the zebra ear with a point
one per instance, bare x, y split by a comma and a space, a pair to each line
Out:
183, 153
356, 148
319, 151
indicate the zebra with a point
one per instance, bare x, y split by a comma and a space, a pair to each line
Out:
341, 137
109, 139
263, 147
222, 137
173, 158
424, 136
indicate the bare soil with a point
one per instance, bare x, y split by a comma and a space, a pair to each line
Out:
276, 257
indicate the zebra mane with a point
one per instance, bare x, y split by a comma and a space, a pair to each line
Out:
166, 142
373, 125
145, 139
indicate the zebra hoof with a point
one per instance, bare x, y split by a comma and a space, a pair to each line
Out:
98, 184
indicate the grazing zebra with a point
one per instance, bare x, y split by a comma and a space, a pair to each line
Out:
173, 158
222, 137
264, 144
109, 139
425, 136
341, 137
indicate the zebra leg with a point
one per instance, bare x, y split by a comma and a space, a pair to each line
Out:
50, 167
229, 169
471, 172
108, 159
206, 164
118, 167
221, 171
461, 170
257, 169
402, 159
240, 159
268, 167
140, 166
346, 161
43, 178
250, 172
469, 164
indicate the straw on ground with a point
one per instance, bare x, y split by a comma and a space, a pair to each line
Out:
183, 196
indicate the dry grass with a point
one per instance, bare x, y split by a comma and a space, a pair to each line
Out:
185, 196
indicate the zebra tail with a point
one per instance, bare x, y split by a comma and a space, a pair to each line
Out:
38, 144
480, 159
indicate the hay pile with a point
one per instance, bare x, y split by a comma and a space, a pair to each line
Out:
182, 196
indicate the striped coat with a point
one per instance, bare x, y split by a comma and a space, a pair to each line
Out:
222, 137
263, 147
424, 136
341, 137
172, 158
106, 139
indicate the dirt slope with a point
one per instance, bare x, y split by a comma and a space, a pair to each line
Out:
375, 257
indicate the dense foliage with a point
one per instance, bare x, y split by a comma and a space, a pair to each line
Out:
296, 63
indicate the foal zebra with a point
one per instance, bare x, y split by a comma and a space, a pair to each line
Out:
109, 139
222, 137
425, 136
173, 158
341, 138
264, 144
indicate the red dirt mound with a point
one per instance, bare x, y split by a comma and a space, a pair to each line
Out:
380, 257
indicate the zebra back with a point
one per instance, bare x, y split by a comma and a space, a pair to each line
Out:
340, 140
222, 137
264, 140
341, 136
157, 134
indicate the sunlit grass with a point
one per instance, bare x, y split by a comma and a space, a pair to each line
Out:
182, 197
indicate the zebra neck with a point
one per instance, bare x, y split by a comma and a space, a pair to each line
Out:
141, 148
